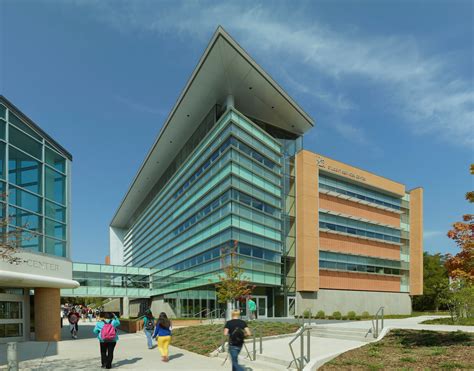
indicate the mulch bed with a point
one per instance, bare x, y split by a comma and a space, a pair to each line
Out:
410, 349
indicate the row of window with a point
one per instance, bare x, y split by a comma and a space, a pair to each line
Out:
231, 141
357, 259
140, 243
215, 204
357, 227
352, 190
358, 268
164, 202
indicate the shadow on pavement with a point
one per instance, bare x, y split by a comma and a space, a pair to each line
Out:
124, 362
30, 350
174, 356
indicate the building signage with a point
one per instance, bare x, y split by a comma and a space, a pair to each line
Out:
39, 264
322, 165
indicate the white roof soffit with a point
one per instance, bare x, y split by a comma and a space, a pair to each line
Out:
225, 68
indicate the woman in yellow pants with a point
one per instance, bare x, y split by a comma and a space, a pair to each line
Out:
163, 332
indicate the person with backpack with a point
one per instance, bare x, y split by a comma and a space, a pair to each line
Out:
106, 331
236, 329
163, 332
149, 327
73, 318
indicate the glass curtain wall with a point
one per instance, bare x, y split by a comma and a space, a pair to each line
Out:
33, 182
228, 189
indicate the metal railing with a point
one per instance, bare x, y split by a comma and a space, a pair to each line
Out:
215, 314
377, 322
251, 356
304, 356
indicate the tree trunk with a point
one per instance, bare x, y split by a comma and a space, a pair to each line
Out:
228, 313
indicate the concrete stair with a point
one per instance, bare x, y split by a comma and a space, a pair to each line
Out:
344, 333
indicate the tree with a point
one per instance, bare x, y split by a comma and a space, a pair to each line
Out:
461, 265
11, 238
435, 283
232, 284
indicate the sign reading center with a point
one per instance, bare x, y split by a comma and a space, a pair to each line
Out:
322, 164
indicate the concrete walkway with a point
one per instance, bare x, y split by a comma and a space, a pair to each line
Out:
130, 353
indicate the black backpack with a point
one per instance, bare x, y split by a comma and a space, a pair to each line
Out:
150, 325
237, 337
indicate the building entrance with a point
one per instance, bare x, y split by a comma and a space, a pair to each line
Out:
12, 317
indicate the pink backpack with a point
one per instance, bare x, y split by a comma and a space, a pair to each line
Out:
108, 332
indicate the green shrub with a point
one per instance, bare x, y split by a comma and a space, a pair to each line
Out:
307, 314
337, 315
330, 317
351, 315
321, 314
365, 314
358, 318
344, 318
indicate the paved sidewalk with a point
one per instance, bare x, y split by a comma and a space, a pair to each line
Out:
131, 352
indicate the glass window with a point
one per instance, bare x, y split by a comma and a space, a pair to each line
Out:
55, 211
2, 160
2, 129
3, 111
20, 124
25, 199
55, 159
25, 239
10, 310
24, 171
55, 247
25, 143
55, 229
55, 186
24, 219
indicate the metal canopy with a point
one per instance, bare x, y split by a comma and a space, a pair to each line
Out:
224, 69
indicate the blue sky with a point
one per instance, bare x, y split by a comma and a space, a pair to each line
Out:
389, 83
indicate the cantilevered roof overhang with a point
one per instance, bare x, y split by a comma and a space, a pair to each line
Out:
224, 69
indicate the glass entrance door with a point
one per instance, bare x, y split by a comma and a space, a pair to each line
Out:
11, 318
261, 302
291, 306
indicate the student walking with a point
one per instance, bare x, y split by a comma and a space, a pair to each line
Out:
149, 327
163, 332
73, 318
237, 330
106, 331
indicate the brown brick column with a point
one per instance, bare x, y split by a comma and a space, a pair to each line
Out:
47, 320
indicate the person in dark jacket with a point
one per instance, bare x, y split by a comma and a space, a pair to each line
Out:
163, 332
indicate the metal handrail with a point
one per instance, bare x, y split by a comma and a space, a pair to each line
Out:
379, 316
221, 313
300, 362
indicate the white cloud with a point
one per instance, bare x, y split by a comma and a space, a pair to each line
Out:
139, 107
421, 90
432, 234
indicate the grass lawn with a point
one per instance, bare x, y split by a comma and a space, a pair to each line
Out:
449, 321
204, 339
410, 349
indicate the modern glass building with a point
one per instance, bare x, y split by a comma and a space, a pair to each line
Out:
228, 170
34, 209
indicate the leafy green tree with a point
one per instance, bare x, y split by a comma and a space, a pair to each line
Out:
435, 283
232, 284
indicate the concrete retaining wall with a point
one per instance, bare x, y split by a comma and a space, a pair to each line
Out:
359, 301
158, 305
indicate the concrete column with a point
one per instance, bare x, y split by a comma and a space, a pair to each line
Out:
125, 307
47, 320
229, 101
26, 314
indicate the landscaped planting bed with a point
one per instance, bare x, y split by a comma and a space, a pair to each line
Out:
204, 339
449, 321
410, 349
